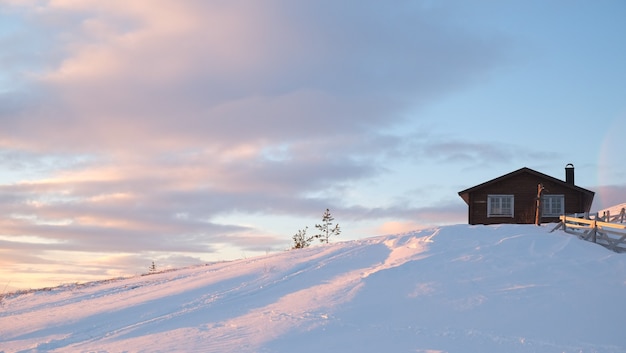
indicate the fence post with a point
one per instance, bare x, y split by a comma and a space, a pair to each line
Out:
593, 231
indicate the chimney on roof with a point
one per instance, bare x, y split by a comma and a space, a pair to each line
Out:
569, 173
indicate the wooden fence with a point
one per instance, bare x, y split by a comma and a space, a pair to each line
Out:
606, 216
604, 230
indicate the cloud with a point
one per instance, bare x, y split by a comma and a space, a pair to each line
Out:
395, 227
607, 196
238, 72
12, 254
135, 126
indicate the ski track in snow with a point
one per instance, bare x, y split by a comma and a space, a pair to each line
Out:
450, 289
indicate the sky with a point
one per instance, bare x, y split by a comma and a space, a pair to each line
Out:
188, 131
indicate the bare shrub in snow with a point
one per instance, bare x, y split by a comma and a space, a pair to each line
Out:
300, 239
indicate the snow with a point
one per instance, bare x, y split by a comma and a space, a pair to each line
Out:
505, 288
614, 210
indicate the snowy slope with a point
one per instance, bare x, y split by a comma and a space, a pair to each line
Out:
614, 210
508, 288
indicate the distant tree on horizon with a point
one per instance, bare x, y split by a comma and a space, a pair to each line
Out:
152, 268
326, 229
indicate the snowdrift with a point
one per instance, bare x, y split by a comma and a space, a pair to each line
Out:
507, 288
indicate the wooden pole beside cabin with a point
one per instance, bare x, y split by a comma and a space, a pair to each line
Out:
538, 211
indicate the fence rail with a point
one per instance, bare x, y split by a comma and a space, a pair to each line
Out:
606, 216
600, 230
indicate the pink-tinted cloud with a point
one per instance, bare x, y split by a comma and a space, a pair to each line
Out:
135, 125
184, 73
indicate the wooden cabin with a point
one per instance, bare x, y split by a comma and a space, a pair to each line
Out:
513, 198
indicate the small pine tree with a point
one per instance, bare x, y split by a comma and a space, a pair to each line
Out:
300, 240
326, 229
152, 268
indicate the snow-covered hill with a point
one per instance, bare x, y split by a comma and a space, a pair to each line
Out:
614, 210
508, 288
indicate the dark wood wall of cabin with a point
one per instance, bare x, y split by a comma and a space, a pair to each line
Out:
524, 188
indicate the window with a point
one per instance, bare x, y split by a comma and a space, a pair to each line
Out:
552, 205
500, 206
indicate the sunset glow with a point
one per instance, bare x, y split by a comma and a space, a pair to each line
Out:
185, 132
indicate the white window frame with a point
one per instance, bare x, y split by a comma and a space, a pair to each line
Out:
499, 210
548, 207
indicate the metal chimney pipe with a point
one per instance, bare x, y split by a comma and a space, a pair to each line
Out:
569, 173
